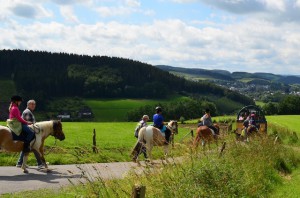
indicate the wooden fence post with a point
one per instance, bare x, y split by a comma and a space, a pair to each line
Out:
222, 148
138, 191
95, 149
192, 133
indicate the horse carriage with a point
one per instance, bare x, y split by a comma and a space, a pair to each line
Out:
260, 120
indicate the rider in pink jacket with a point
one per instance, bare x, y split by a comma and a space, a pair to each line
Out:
14, 112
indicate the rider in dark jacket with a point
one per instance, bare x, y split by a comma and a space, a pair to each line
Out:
159, 123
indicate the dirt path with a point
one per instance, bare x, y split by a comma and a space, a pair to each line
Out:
12, 179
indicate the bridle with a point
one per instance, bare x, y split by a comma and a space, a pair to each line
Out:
172, 125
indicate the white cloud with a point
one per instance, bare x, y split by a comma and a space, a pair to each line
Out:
277, 11
133, 3
68, 13
265, 39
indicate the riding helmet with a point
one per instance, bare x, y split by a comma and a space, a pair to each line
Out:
16, 98
158, 109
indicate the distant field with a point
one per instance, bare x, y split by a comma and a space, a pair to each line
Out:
289, 121
192, 77
115, 110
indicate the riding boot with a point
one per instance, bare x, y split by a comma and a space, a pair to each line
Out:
26, 147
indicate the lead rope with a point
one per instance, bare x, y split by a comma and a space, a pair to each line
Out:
51, 148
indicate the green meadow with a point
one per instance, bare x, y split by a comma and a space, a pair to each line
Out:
273, 170
114, 142
115, 110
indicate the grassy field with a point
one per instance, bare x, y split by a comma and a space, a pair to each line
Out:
287, 121
114, 141
115, 110
233, 175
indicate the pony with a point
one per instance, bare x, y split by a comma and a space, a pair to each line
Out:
42, 131
151, 136
205, 134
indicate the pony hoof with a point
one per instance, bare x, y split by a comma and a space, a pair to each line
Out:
25, 171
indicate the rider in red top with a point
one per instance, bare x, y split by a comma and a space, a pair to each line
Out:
14, 112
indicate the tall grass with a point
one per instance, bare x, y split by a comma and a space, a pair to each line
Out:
244, 170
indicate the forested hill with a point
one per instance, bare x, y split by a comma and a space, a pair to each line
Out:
43, 75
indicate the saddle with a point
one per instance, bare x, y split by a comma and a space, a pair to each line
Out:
20, 137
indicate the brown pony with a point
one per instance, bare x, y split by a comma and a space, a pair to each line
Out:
205, 134
151, 136
42, 131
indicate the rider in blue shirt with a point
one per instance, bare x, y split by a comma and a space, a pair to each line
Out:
159, 123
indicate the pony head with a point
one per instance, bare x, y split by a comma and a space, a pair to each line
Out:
57, 130
173, 125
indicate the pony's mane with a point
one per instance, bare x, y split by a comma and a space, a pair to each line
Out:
45, 124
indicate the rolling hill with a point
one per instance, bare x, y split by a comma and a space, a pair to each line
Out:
46, 76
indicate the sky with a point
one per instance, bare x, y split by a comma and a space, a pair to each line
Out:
233, 35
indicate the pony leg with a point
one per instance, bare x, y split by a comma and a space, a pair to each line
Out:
41, 152
166, 151
203, 142
149, 147
196, 141
25, 158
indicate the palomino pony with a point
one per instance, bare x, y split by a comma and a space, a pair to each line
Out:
151, 136
42, 131
205, 134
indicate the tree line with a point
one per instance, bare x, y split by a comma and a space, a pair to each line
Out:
186, 109
288, 105
45, 75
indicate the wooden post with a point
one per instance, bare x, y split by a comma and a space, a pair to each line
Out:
95, 149
192, 133
138, 191
222, 148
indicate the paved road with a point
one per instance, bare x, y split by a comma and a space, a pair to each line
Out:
12, 179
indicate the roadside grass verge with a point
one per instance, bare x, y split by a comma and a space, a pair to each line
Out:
244, 170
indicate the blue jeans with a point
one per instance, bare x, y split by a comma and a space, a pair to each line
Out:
37, 156
28, 134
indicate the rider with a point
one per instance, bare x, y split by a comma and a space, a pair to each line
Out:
28, 116
250, 121
159, 123
14, 113
206, 121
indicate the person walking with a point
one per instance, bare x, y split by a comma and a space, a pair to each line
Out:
142, 123
28, 116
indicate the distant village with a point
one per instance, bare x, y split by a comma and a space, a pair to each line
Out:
260, 91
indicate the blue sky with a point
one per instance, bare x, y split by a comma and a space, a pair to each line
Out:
234, 35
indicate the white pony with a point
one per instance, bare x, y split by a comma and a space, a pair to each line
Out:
151, 136
42, 131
